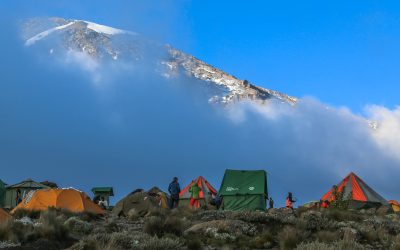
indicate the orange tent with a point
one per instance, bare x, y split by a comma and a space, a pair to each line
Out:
4, 216
357, 192
205, 191
395, 205
70, 199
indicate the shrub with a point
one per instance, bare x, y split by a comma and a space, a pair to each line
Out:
173, 225
156, 243
111, 227
21, 213
159, 226
396, 243
159, 212
338, 245
14, 231
194, 244
77, 226
316, 245
50, 227
102, 239
327, 236
348, 244
252, 217
9, 244
121, 241
288, 238
87, 216
265, 240
86, 244
343, 215
340, 201
183, 212
154, 226
369, 235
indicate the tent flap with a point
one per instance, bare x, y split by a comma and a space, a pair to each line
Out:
244, 202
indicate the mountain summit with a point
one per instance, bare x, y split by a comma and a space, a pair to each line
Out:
106, 43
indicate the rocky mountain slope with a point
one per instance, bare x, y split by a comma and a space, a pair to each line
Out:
106, 43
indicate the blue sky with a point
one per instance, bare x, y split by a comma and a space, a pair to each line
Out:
58, 128
339, 52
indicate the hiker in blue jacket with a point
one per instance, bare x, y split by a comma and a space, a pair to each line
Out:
174, 189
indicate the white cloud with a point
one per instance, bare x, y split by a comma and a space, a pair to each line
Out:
387, 134
86, 62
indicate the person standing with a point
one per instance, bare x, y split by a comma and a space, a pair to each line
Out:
325, 204
271, 202
174, 189
194, 195
18, 197
102, 203
290, 201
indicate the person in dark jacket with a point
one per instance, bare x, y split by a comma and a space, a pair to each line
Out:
18, 198
271, 202
174, 189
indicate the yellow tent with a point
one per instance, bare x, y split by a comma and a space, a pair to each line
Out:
395, 205
69, 199
4, 216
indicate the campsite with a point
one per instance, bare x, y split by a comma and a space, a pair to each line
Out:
357, 217
199, 125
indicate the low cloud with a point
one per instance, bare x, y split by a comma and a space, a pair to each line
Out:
387, 134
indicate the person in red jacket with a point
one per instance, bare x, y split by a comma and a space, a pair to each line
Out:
290, 201
325, 204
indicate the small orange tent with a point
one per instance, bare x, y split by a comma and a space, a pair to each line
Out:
70, 199
205, 190
395, 205
4, 216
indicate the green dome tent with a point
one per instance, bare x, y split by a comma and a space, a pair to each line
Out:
244, 190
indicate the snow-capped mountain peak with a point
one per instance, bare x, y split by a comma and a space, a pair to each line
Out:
97, 41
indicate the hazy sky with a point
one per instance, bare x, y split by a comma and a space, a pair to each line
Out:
56, 125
